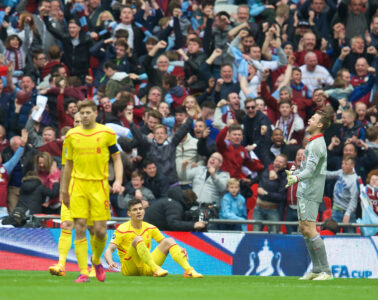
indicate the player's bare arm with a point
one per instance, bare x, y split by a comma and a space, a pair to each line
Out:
118, 170
109, 257
64, 195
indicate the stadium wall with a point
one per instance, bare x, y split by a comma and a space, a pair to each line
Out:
210, 253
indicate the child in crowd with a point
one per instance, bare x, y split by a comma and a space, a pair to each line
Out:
135, 189
233, 206
345, 194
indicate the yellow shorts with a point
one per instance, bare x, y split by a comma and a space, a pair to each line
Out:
89, 198
132, 265
65, 215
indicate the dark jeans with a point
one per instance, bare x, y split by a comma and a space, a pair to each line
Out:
120, 212
291, 215
338, 215
268, 215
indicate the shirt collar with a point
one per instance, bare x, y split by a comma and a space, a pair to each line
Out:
314, 137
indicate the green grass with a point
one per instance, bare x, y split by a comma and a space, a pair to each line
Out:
30, 285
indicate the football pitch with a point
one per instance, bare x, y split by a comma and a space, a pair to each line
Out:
19, 285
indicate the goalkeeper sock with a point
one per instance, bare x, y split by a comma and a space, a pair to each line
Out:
98, 248
145, 255
64, 246
81, 250
320, 252
315, 262
179, 257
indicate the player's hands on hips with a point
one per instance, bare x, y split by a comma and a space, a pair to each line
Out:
291, 179
117, 188
65, 198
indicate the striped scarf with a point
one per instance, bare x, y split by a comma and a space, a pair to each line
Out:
16, 56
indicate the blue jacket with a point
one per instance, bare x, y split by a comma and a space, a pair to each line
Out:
233, 208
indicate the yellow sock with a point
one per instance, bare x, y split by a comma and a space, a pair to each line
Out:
91, 241
98, 248
81, 250
179, 257
145, 255
64, 246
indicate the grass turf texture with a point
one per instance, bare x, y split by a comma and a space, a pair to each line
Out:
19, 285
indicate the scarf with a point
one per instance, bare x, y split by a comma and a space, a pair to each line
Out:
16, 56
285, 126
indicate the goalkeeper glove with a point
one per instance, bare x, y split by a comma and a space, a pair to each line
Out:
291, 179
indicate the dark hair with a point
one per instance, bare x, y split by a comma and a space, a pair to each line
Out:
55, 69
180, 109
151, 41
36, 52
190, 197
170, 80
110, 64
173, 5
209, 104
121, 43
121, 33
12, 37
239, 115
133, 202
234, 127
296, 69
223, 13
118, 106
68, 101
147, 162
155, 114
286, 101
331, 225
196, 40
226, 64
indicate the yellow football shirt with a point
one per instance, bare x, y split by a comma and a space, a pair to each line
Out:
64, 150
90, 149
125, 233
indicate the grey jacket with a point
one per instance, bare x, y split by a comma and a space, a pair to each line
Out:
345, 193
187, 150
208, 190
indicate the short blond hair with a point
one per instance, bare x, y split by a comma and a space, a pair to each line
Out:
233, 181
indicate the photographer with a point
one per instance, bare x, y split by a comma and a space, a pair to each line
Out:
169, 214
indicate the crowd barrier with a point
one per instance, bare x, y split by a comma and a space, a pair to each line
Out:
220, 253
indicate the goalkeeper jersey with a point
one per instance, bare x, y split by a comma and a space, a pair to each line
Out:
313, 170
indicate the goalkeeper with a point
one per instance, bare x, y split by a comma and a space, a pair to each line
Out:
311, 180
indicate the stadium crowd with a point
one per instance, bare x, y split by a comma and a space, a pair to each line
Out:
209, 101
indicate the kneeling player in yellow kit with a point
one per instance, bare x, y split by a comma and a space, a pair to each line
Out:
133, 241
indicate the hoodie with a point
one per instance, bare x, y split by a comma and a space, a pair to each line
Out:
33, 194
175, 96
